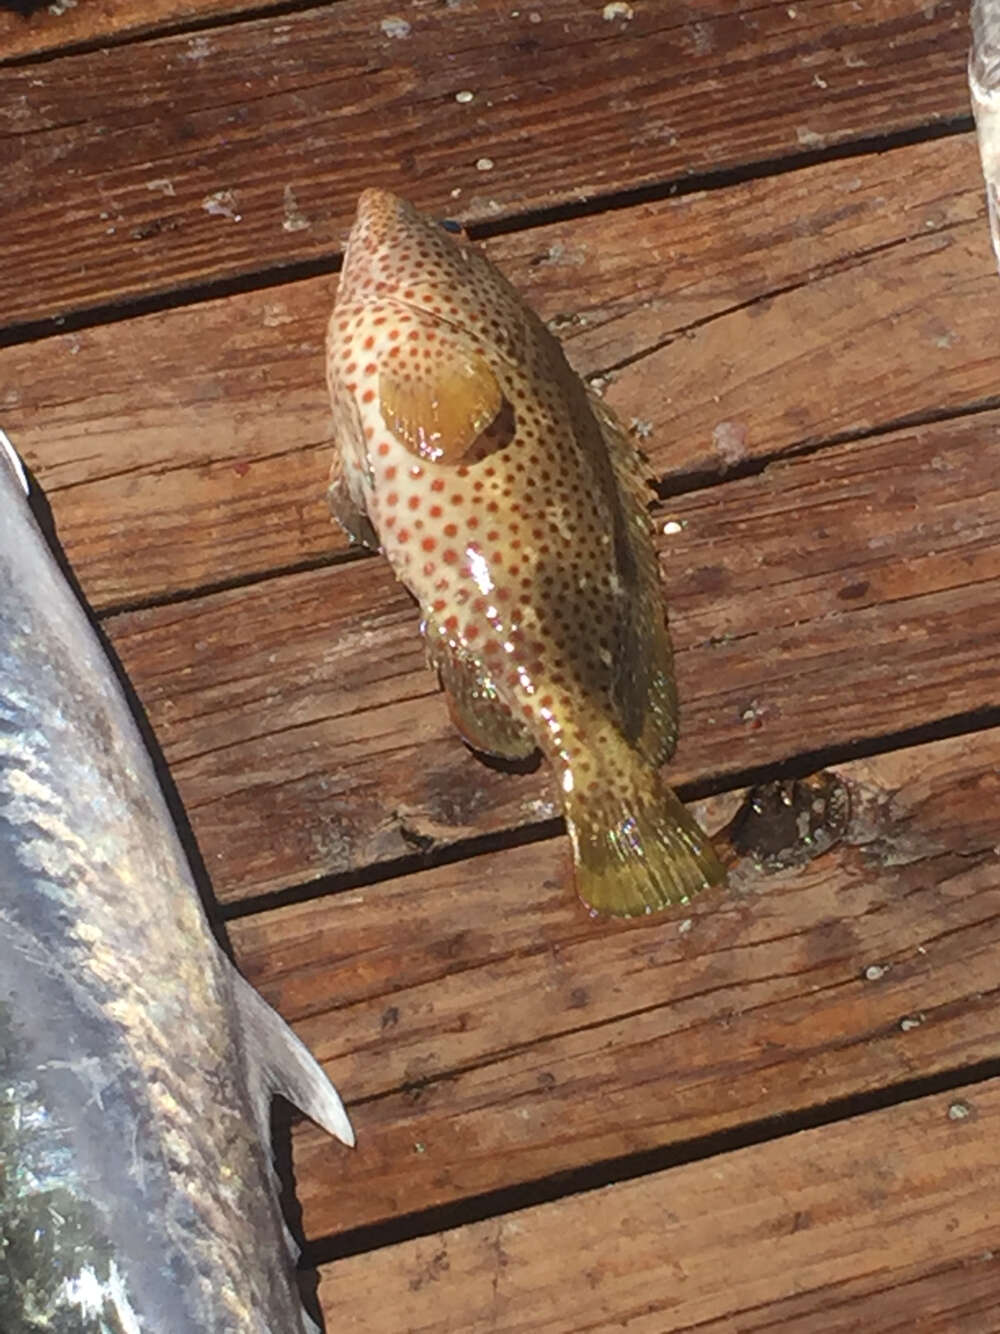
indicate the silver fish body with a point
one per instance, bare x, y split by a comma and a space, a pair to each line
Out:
137, 1191
984, 87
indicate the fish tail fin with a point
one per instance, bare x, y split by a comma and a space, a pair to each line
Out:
639, 851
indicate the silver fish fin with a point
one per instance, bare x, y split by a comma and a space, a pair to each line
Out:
984, 87
281, 1063
14, 459
643, 691
476, 710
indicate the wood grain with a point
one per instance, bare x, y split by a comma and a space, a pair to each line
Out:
485, 1032
53, 27
884, 1222
846, 594
190, 448
165, 163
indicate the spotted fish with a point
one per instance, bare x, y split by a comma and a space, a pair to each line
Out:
137, 1194
512, 504
984, 86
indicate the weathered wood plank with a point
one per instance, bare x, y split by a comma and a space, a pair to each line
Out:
487, 1033
841, 595
171, 161
884, 1222
51, 27
835, 301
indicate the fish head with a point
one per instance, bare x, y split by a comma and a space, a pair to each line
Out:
392, 245
11, 468
394, 253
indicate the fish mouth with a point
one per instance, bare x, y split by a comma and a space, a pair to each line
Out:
13, 460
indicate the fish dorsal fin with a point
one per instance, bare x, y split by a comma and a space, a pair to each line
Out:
279, 1062
644, 689
439, 395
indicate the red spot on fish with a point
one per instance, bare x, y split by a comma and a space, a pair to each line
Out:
371, 368
383, 448
472, 521
471, 631
450, 530
451, 623
437, 484
414, 502
449, 556
429, 543
351, 367
403, 534
390, 472
368, 396
457, 499
435, 511
369, 343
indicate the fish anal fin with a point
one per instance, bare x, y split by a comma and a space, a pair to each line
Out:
477, 711
439, 404
279, 1062
640, 852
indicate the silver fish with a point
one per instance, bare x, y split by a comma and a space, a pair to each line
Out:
137, 1191
984, 86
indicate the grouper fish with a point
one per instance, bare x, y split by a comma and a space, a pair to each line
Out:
513, 505
137, 1190
984, 86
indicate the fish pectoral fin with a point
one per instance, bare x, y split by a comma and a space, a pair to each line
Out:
440, 395
281, 1063
639, 852
349, 512
478, 713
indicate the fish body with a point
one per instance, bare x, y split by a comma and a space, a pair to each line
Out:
984, 87
513, 506
137, 1192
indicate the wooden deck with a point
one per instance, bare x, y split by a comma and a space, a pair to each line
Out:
761, 227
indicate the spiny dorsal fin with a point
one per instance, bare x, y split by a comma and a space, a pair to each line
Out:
644, 689
279, 1062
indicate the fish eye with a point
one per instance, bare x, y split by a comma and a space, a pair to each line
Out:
450, 225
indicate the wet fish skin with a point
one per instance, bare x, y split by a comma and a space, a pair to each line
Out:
511, 503
137, 1192
984, 88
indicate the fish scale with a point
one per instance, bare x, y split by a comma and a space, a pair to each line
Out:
510, 502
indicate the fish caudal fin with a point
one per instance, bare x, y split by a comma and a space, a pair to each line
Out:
639, 853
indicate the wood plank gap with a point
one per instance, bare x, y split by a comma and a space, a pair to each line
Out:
755, 170
431, 857
87, 317
685, 482
246, 13
596, 1176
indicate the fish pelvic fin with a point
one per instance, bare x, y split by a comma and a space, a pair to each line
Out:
476, 709
279, 1062
639, 851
